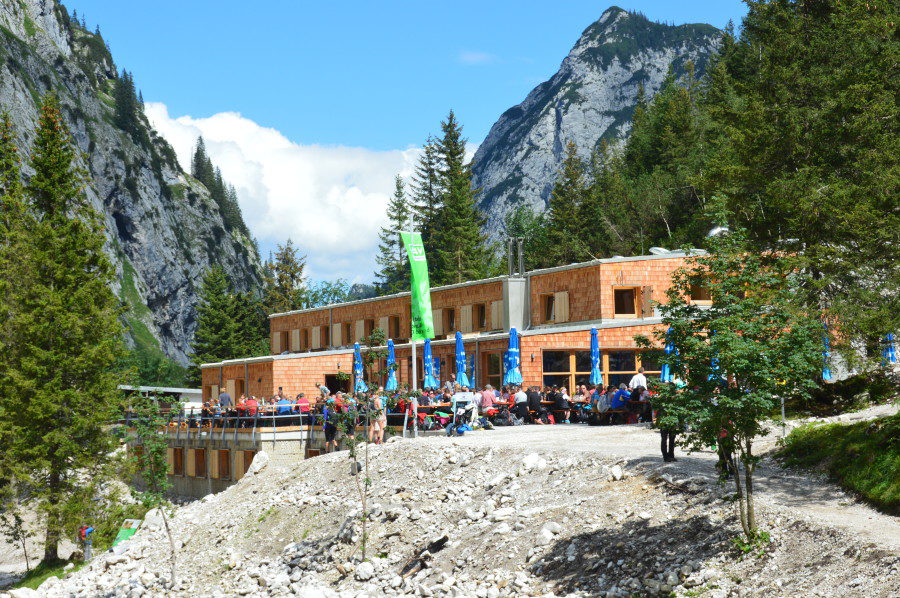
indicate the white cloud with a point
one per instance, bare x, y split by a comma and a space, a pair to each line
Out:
471, 57
329, 199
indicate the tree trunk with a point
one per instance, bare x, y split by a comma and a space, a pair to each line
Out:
740, 494
749, 466
162, 511
51, 539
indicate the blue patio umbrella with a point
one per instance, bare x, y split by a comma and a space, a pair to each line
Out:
391, 384
359, 385
513, 373
826, 353
596, 376
461, 378
714, 362
428, 361
436, 361
888, 352
666, 373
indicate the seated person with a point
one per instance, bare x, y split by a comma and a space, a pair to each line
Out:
620, 397
536, 410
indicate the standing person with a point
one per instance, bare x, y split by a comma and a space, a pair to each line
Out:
329, 425
639, 380
323, 391
224, 399
668, 430
379, 421
520, 400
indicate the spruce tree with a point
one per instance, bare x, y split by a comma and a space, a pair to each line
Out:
393, 274
217, 334
126, 105
283, 280
459, 246
11, 192
63, 340
565, 230
426, 196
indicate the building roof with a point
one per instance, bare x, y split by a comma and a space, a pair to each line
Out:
166, 389
609, 260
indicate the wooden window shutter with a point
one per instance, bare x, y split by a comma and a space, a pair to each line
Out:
336, 335
224, 458
213, 392
295, 339
316, 338
276, 343
248, 459
360, 331
438, 317
214, 465
170, 461
647, 302
497, 315
465, 317
383, 324
561, 306
200, 468
229, 388
191, 469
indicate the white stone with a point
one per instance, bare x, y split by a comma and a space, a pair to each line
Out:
364, 571
259, 463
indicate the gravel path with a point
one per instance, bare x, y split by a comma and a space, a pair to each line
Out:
811, 493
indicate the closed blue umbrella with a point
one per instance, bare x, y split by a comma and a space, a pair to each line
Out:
437, 367
596, 376
461, 378
428, 361
359, 385
826, 353
391, 384
888, 352
666, 374
513, 374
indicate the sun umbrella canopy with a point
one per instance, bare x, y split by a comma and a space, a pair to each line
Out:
461, 378
596, 376
826, 354
359, 385
428, 361
888, 352
391, 384
666, 374
513, 373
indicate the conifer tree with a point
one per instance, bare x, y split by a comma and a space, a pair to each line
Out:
63, 340
426, 195
283, 280
393, 275
126, 115
459, 246
565, 229
11, 198
216, 337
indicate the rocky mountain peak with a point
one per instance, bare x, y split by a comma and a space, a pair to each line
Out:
590, 99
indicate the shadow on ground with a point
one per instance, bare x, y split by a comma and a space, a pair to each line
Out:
637, 550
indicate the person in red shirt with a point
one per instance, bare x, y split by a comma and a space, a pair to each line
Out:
302, 405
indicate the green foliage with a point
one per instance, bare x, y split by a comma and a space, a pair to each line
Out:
127, 110
45, 570
755, 546
283, 280
393, 273
61, 340
222, 193
565, 243
426, 196
863, 457
736, 356
532, 227
325, 292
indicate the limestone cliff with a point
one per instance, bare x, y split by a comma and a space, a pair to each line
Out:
590, 98
164, 230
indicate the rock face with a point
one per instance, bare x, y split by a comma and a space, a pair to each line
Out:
591, 98
163, 229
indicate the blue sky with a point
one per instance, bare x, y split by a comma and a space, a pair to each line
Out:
340, 92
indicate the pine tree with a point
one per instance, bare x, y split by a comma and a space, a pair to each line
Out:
459, 246
64, 339
393, 275
11, 191
217, 334
283, 280
565, 229
426, 195
201, 165
126, 115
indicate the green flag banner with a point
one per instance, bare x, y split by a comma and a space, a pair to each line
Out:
422, 322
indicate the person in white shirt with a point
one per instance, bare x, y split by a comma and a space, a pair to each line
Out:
521, 407
638, 379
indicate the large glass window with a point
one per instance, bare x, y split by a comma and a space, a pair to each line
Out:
494, 369
556, 361
566, 368
622, 361
582, 361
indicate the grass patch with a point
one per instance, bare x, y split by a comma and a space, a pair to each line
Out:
863, 457
44, 571
30, 27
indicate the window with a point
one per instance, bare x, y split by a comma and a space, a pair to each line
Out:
449, 320
622, 361
548, 308
494, 369
304, 339
480, 316
393, 330
566, 368
178, 461
224, 463
368, 328
345, 333
325, 335
199, 463
700, 294
625, 302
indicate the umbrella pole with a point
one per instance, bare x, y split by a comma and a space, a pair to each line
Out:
415, 400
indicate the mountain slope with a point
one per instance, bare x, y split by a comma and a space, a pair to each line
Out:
164, 230
591, 98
